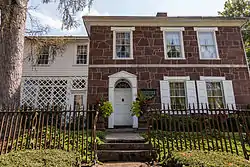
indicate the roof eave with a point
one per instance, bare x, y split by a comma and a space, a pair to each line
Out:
62, 37
160, 21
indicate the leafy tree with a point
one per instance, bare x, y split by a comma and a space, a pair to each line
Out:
239, 8
12, 30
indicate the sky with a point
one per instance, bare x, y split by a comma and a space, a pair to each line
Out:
48, 15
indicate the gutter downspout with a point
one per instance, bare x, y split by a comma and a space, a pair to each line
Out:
244, 48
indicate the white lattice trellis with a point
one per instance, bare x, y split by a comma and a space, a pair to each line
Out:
78, 83
43, 91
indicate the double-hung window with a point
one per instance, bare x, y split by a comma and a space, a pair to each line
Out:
215, 94
44, 54
208, 48
122, 42
177, 95
173, 42
176, 90
81, 55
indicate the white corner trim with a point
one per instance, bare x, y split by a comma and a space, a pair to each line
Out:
176, 78
165, 45
205, 78
206, 29
122, 28
172, 28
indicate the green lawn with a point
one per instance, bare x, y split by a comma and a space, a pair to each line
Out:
173, 141
40, 158
196, 158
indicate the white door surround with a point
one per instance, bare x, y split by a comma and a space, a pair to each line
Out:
132, 79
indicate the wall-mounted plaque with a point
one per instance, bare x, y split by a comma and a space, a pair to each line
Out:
149, 93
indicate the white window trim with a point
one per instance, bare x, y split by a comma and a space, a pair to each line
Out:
75, 54
215, 79
123, 29
173, 29
176, 78
212, 79
82, 93
207, 29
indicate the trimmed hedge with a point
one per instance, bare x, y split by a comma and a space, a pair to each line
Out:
40, 158
198, 158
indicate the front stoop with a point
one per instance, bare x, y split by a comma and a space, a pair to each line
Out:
125, 147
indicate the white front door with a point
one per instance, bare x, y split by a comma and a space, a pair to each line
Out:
123, 103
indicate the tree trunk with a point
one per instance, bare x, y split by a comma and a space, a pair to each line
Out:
13, 19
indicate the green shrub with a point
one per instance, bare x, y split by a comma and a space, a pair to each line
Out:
198, 158
40, 158
106, 109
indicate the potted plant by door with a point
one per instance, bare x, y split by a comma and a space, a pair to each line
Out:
105, 110
140, 108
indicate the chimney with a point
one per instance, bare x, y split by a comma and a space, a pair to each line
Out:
162, 14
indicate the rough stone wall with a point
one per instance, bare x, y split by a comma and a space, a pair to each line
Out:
149, 78
149, 49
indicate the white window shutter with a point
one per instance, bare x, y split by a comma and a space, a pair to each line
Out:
229, 93
202, 93
165, 93
191, 94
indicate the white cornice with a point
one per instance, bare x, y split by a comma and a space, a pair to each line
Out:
133, 21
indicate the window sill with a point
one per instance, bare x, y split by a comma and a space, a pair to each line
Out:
210, 59
167, 58
77, 65
41, 65
130, 58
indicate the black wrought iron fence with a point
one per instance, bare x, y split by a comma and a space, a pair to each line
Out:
201, 128
50, 128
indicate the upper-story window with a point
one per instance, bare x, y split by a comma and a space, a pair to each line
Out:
208, 48
122, 42
81, 56
173, 42
44, 54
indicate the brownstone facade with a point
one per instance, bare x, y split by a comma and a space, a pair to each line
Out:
149, 49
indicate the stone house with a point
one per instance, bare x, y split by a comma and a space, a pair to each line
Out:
179, 60
184, 59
